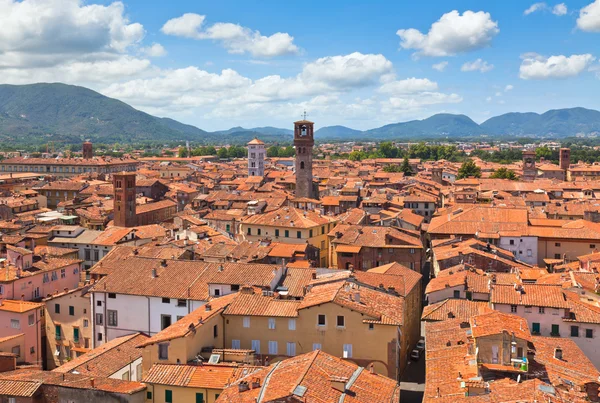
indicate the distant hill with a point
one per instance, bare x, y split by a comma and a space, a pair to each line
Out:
555, 123
440, 125
69, 113
37, 113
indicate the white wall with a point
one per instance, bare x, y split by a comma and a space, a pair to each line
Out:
520, 248
550, 317
132, 368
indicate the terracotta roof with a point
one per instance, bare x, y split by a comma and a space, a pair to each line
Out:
252, 303
289, 217
105, 360
494, 322
373, 237
308, 378
532, 295
19, 306
205, 376
454, 308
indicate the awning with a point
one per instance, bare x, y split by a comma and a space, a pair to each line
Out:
347, 248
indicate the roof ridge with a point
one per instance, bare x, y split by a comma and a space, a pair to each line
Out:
303, 374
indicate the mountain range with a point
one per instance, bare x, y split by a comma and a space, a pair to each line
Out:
37, 113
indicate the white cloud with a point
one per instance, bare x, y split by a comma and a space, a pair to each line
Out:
589, 17
233, 37
408, 86
453, 33
535, 7
441, 66
422, 100
354, 70
536, 67
560, 9
155, 50
488, 99
509, 87
477, 65
498, 94
188, 26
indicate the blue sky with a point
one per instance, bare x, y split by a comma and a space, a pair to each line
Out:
358, 64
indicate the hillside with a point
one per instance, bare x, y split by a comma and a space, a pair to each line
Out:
555, 123
440, 125
336, 132
69, 113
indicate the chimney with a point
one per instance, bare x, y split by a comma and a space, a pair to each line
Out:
255, 383
357, 297
558, 353
220, 268
243, 386
207, 307
154, 275
339, 383
371, 368
92, 383
163, 263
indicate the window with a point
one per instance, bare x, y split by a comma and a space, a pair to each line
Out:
98, 303
249, 231
86, 323
513, 309
71, 310
149, 395
271, 323
371, 326
256, 346
217, 292
310, 233
287, 233
298, 234
181, 302
291, 324
574, 331
246, 321
99, 336
555, 330
528, 309
412, 251
99, 319
163, 351
57, 332
276, 232
317, 346
15, 324
557, 256
511, 242
112, 295
166, 300
215, 331
63, 273
589, 333
112, 317
76, 335
168, 396
32, 350
273, 348
16, 350
235, 344
125, 376
557, 244
347, 351
541, 310
31, 320
291, 349
165, 321
592, 246
258, 231
341, 321
321, 320
456, 293
56, 308
535, 328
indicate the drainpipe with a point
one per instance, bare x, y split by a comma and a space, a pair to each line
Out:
149, 334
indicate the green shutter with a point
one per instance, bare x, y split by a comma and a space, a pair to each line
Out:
199, 397
168, 396
76, 335
536, 327
72, 310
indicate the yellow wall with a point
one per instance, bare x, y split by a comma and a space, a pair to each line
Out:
547, 249
366, 344
181, 394
319, 239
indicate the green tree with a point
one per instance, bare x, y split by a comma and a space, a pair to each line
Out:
405, 167
273, 152
468, 169
223, 153
392, 168
543, 152
504, 173
357, 155
182, 153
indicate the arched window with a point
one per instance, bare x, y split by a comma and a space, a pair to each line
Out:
301, 164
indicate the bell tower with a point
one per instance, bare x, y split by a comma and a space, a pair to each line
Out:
304, 142
529, 169
124, 201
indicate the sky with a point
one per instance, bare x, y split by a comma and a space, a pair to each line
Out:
361, 64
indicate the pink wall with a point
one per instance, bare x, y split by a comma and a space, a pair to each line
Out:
32, 333
33, 287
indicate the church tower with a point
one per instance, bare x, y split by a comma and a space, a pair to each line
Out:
529, 169
124, 202
304, 142
256, 158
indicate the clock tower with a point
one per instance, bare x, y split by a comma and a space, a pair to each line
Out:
304, 142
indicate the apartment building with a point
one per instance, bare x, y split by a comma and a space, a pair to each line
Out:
21, 326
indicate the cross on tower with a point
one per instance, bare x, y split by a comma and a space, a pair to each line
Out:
304, 115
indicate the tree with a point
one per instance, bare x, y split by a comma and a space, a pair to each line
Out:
405, 167
504, 173
223, 153
182, 153
356, 155
392, 168
543, 152
468, 169
273, 152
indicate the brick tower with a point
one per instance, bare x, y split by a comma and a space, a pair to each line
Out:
304, 142
124, 208
529, 169
88, 151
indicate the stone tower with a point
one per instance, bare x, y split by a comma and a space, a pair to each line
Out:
437, 175
565, 159
304, 142
88, 151
124, 203
529, 169
256, 158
